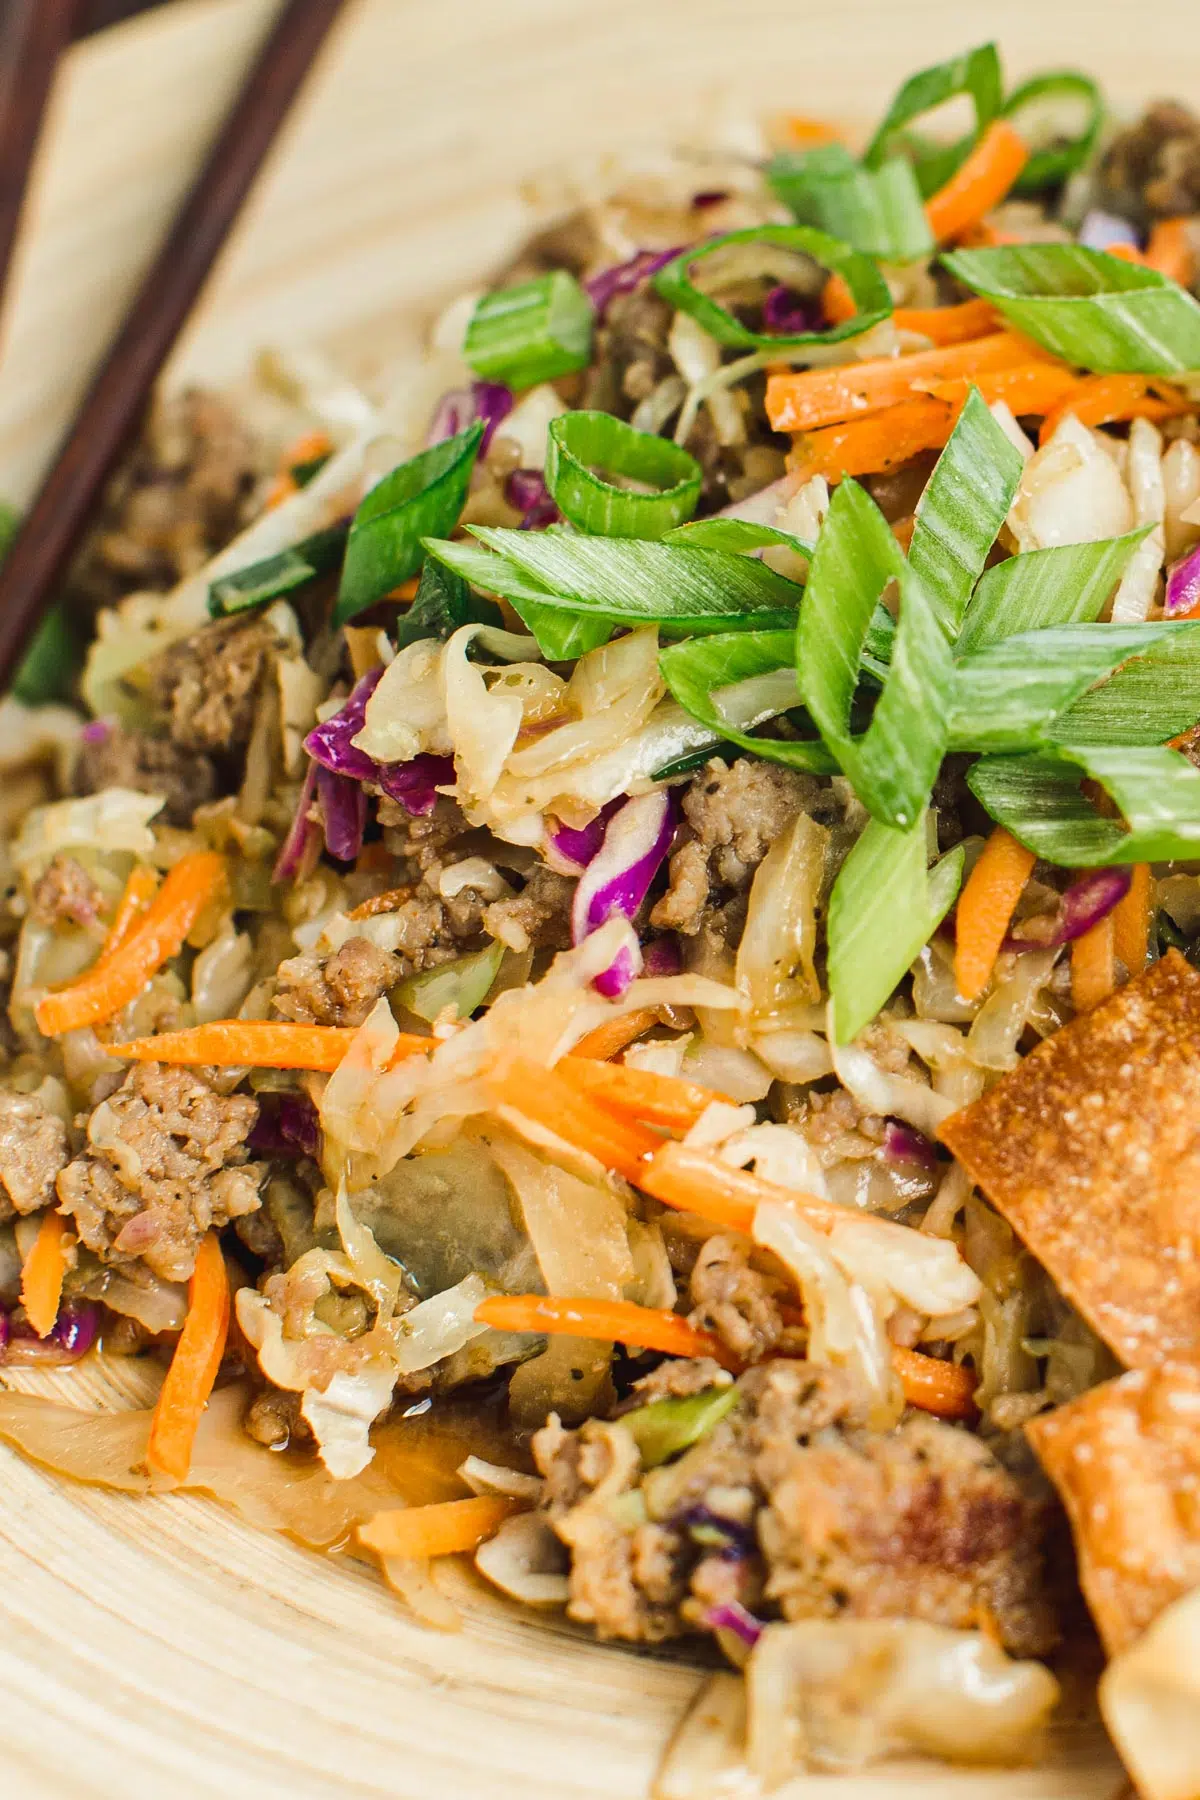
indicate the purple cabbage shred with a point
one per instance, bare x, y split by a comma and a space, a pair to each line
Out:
287, 1125
490, 401
526, 490
343, 811
787, 314
624, 277
1183, 587
904, 1144
733, 1616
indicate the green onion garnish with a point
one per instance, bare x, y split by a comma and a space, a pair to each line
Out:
1038, 799
977, 74
443, 602
1068, 584
965, 503
421, 498
1152, 697
692, 672
1088, 307
585, 447
533, 332
735, 534
1056, 160
868, 289
560, 635
884, 906
275, 576
666, 1428
894, 764
878, 211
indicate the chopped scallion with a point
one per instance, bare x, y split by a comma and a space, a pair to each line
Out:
965, 503
275, 576
756, 666
878, 211
530, 333
976, 74
1038, 799
1053, 161
585, 448
1067, 584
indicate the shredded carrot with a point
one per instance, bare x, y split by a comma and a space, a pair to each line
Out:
979, 184
640, 1093
193, 884
945, 1389
903, 529
799, 129
615, 1034
42, 1275
258, 1044
985, 908
805, 399
306, 449
837, 302
282, 488
697, 1181
881, 441
1172, 250
1106, 399
1126, 253
1131, 921
1093, 976
1028, 389
447, 1528
194, 1365
547, 1098
949, 324
139, 891
406, 591
616, 1321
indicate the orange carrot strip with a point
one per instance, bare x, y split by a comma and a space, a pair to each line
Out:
258, 1044
547, 1098
282, 488
697, 1181
1131, 921
1126, 253
837, 302
802, 130
1093, 976
194, 1364
139, 891
42, 1275
903, 529
872, 445
979, 184
945, 1389
307, 447
985, 908
406, 591
192, 885
949, 324
618, 1321
613, 1036
1029, 388
1172, 250
805, 399
1105, 399
447, 1528
658, 1099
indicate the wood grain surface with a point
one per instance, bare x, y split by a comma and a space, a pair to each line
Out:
155, 1648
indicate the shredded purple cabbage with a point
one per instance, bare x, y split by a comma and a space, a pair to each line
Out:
1088, 900
74, 1331
96, 731
662, 956
1183, 586
903, 1144
787, 313
577, 848
731, 1615
303, 834
709, 197
414, 785
287, 1125
624, 277
617, 880
343, 805
526, 490
490, 401
740, 1540
3, 1333
1100, 229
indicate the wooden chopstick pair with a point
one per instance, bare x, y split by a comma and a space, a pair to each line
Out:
114, 406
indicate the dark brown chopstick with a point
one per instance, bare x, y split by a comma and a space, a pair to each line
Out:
113, 409
33, 34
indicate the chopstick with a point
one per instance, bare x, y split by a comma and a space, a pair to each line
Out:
33, 35
112, 411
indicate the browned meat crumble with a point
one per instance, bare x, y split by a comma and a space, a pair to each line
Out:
33, 1151
66, 894
336, 990
208, 683
149, 765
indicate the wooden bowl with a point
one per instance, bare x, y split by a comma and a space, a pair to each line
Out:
160, 1647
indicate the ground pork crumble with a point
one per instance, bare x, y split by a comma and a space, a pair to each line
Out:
820, 1518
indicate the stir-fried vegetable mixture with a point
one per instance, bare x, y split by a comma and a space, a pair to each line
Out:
643, 895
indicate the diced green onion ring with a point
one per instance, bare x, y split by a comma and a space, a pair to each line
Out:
1054, 162
268, 580
582, 444
975, 73
533, 332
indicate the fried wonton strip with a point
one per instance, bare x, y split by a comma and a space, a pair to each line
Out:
1091, 1150
1125, 1458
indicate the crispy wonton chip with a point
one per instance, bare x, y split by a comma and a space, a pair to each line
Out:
1091, 1150
1125, 1458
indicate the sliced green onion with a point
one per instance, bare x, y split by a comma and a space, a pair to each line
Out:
1038, 799
696, 671
45, 670
878, 211
443, 602
1056, 160
304, 472
1009, 696
965, 503
581, 444
533, 332
735, 534
560, 635
884, 906
253, 586
1090, 308
463, 984
421, 498
1152, 697
636, 580
868, 289
1068, 584
893, 766
666, 1428
976, 73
